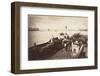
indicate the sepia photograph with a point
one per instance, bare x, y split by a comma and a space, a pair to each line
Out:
57, 37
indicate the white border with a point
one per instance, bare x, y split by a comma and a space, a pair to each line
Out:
25, 64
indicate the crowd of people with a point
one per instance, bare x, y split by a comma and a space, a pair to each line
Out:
75, 44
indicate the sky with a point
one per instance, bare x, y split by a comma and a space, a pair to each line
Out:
57, 22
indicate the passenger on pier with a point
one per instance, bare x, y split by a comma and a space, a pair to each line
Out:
61, 36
